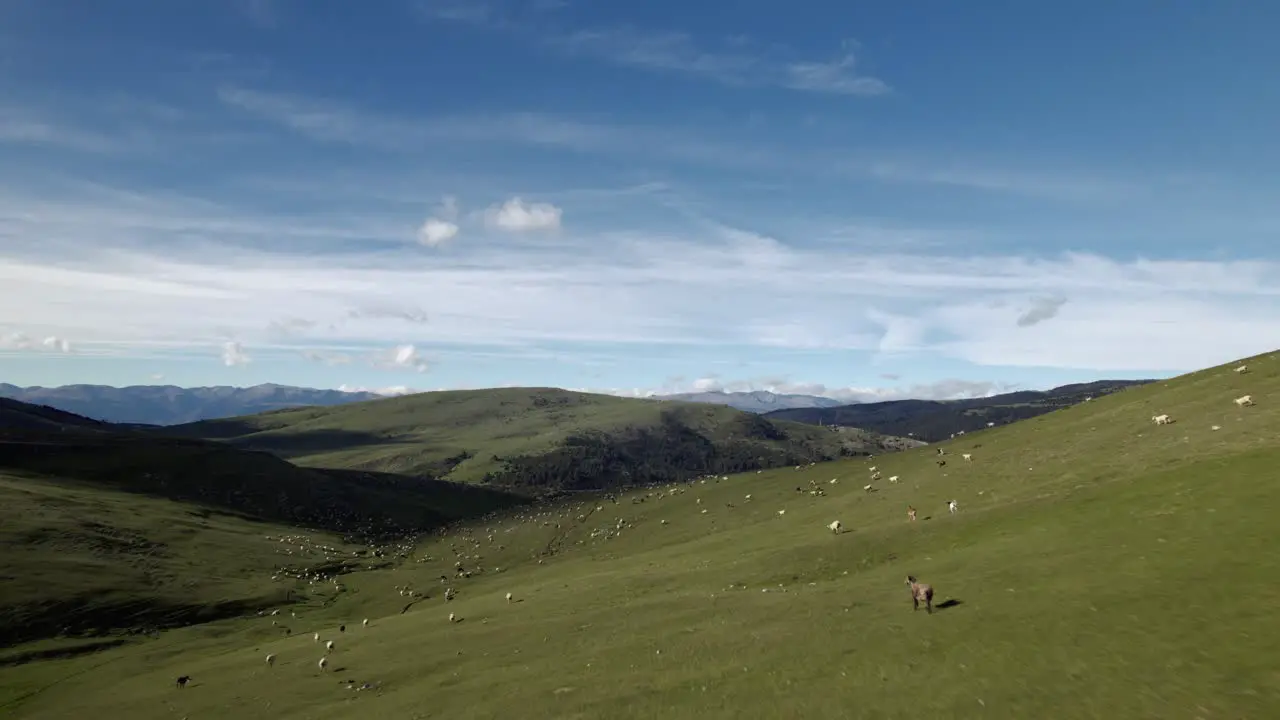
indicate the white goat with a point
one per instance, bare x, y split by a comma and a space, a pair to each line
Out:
834, 526
966, 456
1244, 400
893, 478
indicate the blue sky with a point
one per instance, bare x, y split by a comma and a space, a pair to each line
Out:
852, 199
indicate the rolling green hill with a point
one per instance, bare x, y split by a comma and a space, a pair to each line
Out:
1099, 566
109, 529
934, 420
536, 439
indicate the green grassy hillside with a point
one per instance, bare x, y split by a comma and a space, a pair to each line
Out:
934, 420
535, 438
108, 529
1099, 566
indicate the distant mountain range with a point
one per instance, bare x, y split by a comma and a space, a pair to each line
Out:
934, 420
759, 401
927, 420
172, 405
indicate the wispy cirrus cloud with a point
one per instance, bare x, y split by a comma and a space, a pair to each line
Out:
327, 121
739, 63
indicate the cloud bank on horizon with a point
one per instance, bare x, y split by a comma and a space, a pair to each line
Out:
433, 194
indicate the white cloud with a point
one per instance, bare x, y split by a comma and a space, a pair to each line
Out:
739, 63
434, 232
707, 288
948, 389
21, 341
516, 215
403, 357
233, 354
440, 228
393, 391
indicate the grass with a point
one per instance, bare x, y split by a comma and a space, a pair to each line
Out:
1099, 567
462, 435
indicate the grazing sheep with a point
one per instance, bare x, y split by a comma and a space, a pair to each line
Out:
1161, 419
271, 660
366, 622
183, 680
966, 456
1242, 369
952, 507
316, 637
328, 646
893, 478
453, 618
920, 591
323, 662
509, 597
782, 512
834, 526
867, 487
911, 514
1244, 400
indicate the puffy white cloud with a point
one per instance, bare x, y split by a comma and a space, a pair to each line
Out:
434, 232
392, 391
947, 389
233, 354
516, 215
403, 357
24, 342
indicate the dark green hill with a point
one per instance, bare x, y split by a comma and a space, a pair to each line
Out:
536, 439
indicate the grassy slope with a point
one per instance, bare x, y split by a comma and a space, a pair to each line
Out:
934, 420
420, 434
1101, 567
114, 530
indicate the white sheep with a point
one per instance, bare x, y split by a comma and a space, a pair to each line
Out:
893, 478
322, 663
509, 597
453, 618
952, 507
966, 456
782, 512
366, 622
328, 646
1242, 369
834, 526
1161, 419
1244, 400
271, 660
316, 637
867, 487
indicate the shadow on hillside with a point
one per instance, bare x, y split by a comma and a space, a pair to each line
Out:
948, 603
287, 443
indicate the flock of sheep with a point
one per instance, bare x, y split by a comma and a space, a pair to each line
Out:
562, 519
1241, 402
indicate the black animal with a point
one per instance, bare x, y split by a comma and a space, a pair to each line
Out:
183, 680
